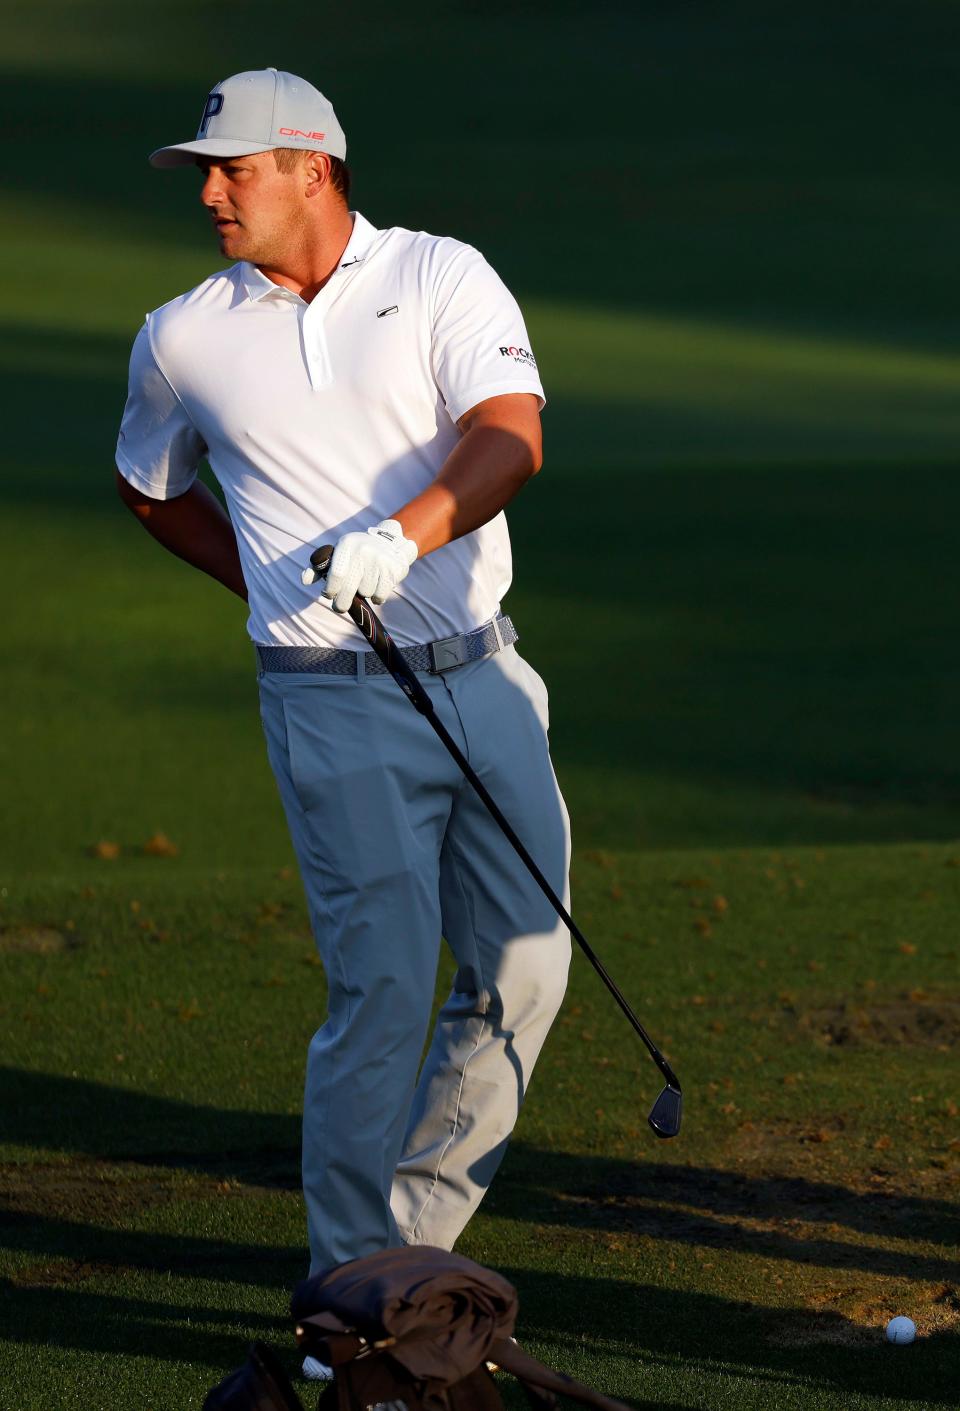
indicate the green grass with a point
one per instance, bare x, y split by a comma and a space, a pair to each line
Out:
155, 1019
734, 232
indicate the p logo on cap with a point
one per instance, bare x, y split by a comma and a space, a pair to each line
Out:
212, 107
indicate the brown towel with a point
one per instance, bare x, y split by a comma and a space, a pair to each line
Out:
438, 1315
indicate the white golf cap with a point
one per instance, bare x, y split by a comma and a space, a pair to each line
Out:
255, 112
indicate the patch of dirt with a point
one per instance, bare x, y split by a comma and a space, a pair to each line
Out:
800, 1328
83, 1190
56, 1273
36, 940
856, 1316
802, 1157
101, 1192
794, 1237
919, 1022
865, 1220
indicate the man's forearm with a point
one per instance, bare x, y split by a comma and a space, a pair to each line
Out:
195, 527
497, 455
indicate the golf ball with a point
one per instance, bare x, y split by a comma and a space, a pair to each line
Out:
901, 1331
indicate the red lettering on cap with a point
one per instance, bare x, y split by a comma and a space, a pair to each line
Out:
295, 132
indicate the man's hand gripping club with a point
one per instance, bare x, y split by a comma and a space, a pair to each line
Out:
371, 564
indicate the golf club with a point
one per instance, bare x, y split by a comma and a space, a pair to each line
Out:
666, 1112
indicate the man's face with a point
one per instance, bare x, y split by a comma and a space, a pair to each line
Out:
257, 211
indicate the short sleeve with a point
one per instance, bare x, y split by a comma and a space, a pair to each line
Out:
480, 346
159, 448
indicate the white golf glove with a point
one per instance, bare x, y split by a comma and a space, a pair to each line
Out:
371, 564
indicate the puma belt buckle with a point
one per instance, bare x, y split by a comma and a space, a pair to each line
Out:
448, 652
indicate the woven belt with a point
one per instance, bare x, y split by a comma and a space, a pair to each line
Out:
435, 657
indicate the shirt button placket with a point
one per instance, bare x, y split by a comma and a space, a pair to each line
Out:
315, 347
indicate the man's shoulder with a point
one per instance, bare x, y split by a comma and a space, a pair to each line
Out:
217, 290
430, 253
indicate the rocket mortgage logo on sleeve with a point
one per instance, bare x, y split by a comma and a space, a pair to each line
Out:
519, 355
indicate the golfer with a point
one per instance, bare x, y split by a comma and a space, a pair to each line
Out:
375, 390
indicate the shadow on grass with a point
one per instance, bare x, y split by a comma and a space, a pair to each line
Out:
54, 1113
88, 1320
558, 1313
66, 1247
70, 1252
669, 1328
58, 1114
681, 1202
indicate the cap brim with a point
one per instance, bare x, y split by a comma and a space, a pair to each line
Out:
186, 153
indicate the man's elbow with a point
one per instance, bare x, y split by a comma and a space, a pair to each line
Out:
529, 432
514, 418
128, 494
536, 456
523, 444
135, 500
528, 450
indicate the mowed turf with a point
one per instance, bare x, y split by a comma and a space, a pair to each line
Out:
733, 232
156, 1018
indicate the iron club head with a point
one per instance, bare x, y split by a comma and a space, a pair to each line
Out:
666, 1112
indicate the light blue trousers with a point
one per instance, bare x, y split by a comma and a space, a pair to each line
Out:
395, 851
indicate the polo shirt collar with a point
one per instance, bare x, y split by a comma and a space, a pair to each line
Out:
258, 286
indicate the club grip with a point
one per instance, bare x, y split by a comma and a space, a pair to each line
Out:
373, 630
320, 559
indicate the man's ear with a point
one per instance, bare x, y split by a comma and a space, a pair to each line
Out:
316, 172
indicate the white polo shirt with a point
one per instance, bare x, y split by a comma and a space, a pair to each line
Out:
326, 417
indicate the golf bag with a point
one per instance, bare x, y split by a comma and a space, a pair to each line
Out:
415, 1325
